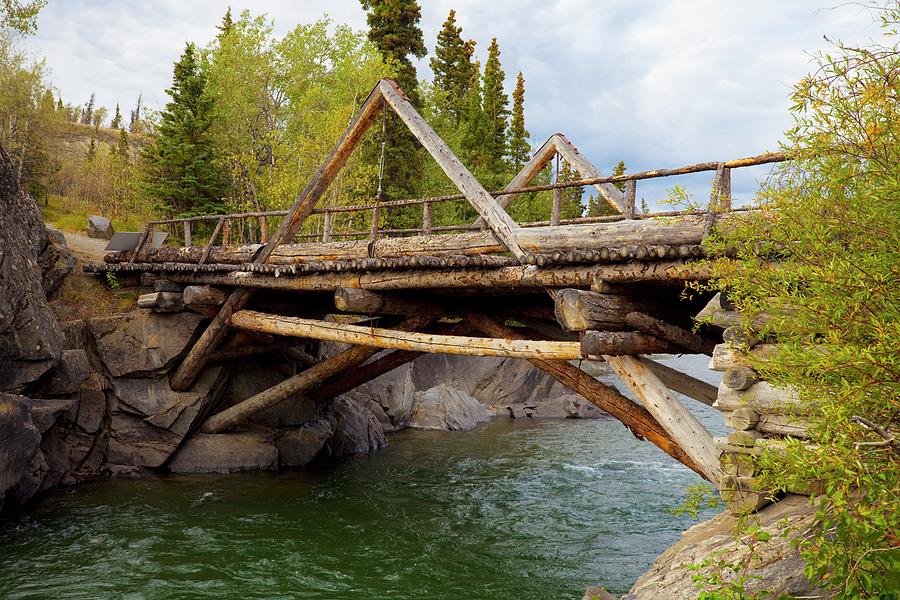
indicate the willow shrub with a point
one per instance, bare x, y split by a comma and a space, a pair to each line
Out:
820, 263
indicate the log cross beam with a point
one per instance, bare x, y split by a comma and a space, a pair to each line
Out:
385, 92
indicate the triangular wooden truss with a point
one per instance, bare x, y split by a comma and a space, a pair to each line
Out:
560, 144
387, 94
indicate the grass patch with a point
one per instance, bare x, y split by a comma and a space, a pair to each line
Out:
71, 214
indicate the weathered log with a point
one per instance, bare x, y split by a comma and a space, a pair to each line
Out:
684, 383
193, 363
685, 231
632, 415
739, 378
618, 343
162, 302
304, 381
738, 337
400, 340
714, 314
764, 398
724, 358
586, 169
580, 310
672, 333
355, 300
742, 418
682, 426
204, 295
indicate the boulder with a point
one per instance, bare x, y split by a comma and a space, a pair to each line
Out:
579, 408
298, 447
225, 453
449, 409
30, 337
254, 377
555, 408
140, 342
150, 420
100, 228
66, 378
517, 411
394, 392
56, 261
89, 410
357, 430
45, 412
776, 564
19, 441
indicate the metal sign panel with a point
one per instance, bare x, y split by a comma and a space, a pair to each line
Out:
128, 240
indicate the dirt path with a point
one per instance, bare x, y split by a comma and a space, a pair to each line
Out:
86, 248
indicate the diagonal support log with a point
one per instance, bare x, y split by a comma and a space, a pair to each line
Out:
680, 424
308, 379
632, 415
672, 333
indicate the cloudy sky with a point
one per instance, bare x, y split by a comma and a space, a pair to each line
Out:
655, 83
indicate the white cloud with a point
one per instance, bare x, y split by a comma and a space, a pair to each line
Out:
653, 83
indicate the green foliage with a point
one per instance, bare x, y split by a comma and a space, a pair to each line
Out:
452, 67
519, 148
182, 170
19, 15
699, 497
394, 30
111, 281
495, 110
821, 259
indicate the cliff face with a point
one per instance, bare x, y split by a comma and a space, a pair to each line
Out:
30, 337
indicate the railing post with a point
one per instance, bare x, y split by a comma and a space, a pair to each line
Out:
426, 218
556, 208
373, 234
226, 232
326, 228
263, 230
187, 234
630, 194
725, 190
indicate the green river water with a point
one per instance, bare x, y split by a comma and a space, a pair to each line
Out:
514, 509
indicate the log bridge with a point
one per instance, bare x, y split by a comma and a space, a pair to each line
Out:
554, 293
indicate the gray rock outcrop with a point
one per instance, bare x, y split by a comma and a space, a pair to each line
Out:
226, 453
298, 447
449, 409
776, 566
30, 337
19, 441
357, 430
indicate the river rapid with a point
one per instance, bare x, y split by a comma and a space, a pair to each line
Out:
514, 509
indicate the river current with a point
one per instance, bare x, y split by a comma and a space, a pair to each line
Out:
524, 509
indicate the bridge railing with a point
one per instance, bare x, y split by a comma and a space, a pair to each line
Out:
253, 227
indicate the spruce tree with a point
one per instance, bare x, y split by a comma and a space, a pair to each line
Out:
180, 165
122, 149
619, 169
117, 118
495, 109
225, 27
452, 66
135, 122
473, 122
87, 115
394, 29
519, 148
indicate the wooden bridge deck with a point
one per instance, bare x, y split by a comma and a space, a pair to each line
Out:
601, 288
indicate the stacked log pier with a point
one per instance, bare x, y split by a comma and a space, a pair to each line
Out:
762, 415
